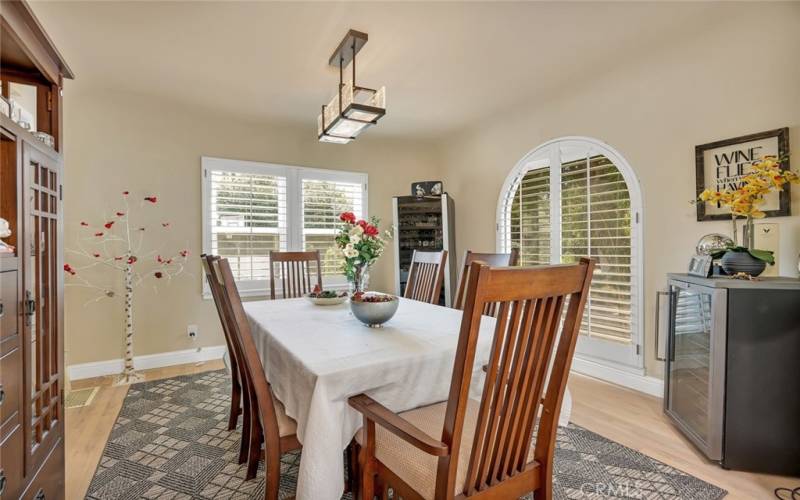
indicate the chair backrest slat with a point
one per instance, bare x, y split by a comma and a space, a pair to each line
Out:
490, 259
530, 355
298, 276
426, 276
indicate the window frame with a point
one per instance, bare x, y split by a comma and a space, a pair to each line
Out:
294, 176
551, 152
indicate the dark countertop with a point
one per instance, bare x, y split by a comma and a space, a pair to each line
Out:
767, 283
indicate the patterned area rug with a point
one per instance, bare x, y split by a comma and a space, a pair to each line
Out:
170, 442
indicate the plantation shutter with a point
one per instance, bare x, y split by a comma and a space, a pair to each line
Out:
596, 221
323, 200
247, 219
529, 222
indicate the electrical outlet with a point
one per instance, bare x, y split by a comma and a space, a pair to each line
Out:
191, 331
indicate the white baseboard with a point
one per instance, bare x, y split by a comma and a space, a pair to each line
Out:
636, 381
145, 362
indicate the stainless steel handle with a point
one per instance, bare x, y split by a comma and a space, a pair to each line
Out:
2, 481
30, 304
2, 309
39, 495
2, 394
659, 294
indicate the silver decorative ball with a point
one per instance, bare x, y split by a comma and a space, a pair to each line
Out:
712, 243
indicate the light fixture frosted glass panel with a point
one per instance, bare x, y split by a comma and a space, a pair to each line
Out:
347, 128
334, 140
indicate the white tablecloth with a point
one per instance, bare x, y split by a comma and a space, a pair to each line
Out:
316, 357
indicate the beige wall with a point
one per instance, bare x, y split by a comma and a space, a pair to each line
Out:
714, 84
118, 141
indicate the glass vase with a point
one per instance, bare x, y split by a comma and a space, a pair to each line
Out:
360, 279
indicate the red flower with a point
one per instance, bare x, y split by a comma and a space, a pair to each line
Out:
126, 193
132, 259
68, 269
159, 259
85, 224
120, 214
349, 217
184, 253
96, 255
158, 274
151, 199
108, 224
362, 223
98, 234
371, 230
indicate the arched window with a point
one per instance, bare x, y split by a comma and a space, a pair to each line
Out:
574, 197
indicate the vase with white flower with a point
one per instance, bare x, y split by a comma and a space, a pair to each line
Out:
361, 244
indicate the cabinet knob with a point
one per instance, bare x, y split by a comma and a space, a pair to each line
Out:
2, 481
39, 495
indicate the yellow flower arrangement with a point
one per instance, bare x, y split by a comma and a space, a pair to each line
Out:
765, 177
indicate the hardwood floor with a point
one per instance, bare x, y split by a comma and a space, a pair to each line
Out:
625, 416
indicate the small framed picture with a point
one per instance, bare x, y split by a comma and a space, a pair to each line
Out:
700, 265
426, 188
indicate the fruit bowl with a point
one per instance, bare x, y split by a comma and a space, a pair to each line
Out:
372, 308
327, 297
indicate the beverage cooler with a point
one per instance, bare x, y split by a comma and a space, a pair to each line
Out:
731, 369
425, 224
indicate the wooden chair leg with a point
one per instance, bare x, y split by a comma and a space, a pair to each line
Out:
254, 450
247, 429
366, 461
272, 479
355, 470
545, 491
236, 402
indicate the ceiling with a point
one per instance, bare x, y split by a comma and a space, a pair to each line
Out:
445, 65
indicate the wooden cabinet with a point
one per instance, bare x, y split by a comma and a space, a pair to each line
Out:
31, 266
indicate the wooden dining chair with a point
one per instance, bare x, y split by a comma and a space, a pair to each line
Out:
240, 401
426, 276
270, 424
490, 259
464, 448
296, 273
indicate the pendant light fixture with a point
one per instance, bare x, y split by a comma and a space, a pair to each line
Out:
353, 108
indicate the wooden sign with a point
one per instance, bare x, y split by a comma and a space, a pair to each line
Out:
722, 165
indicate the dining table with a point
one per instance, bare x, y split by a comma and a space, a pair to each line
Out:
316, 357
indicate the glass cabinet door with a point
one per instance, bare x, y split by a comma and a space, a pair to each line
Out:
43, 316
695, 380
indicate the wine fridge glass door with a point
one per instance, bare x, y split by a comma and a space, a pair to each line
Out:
696, 364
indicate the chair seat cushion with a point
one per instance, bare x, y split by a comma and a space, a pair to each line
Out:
286, 425
415, 467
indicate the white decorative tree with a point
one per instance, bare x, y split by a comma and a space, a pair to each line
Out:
117, 245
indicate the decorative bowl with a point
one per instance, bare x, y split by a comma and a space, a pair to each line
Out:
323, 298
742, 262
376, 312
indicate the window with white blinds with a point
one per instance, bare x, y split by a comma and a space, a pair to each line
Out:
323, 201
247, 220
251, 208
559, 206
